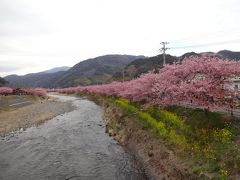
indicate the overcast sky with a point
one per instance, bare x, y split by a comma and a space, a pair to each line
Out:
36, 35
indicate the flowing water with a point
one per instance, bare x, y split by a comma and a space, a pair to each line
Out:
70, 146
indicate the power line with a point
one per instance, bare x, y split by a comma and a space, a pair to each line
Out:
207, 44
206, 36
163, 49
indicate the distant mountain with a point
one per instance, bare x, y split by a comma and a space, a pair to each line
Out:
95, 71
34, 79
143, 65
3, 82
225, 54
57, 69
189, 54
229, 54
91, 71
41, 79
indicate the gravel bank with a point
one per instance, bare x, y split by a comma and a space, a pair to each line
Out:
35, 114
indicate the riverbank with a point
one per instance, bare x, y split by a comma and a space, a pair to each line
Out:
161, 162
175, 143
151, 151
14, 119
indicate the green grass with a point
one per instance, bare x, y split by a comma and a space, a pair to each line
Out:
206, 141
82, 80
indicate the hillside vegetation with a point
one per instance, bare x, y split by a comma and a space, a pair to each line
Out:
94, 71
3, 82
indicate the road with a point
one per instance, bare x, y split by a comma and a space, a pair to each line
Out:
16, 101
70, 146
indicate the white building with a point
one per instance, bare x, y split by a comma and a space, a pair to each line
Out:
234, 84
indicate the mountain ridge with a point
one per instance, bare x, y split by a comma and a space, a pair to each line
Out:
57, 69
94, 70
105, 69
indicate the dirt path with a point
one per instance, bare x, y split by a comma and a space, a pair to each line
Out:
70, 146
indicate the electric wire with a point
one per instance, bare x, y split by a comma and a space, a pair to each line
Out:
207, 44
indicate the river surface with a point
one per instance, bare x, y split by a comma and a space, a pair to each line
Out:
70, 146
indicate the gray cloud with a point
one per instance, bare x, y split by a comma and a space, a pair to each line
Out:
6, 68
49, 32
18, 19
11, 11
13, 65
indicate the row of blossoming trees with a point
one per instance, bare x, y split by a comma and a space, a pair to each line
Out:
201, 81
30, 91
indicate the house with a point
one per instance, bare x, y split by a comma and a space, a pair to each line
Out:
233, 83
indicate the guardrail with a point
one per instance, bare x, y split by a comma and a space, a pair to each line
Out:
234, 113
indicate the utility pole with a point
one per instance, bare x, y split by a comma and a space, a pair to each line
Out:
163, 49
123, 75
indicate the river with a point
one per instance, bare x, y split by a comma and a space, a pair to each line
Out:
72, 146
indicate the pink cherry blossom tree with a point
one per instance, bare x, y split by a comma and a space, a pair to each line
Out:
36, 91
197, 80
200, 81
5, 90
